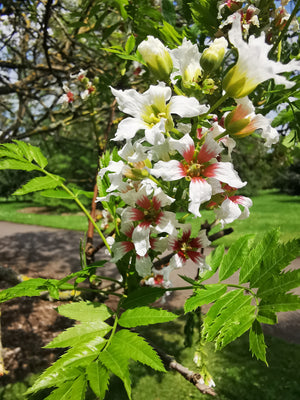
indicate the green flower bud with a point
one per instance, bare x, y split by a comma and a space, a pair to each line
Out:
157, 57
212, 57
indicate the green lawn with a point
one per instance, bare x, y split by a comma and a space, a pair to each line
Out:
9, 212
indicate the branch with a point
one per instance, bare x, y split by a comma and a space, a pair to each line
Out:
191, 376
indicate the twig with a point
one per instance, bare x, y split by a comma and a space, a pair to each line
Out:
191, 376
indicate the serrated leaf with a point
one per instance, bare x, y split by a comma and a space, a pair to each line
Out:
214, 260
69, 364
238, 323
57, 194
142, 297
222, 311
145, 316
282, 302
236, 256
258, 253
280, 284
135, 347
71, 390
205, 295
32, 153
129, 46
266, 317
276, 259
78, 334
85, 311
115, 362
98, 377
168, 11
38, 183
32, 287
257, 342
16, 164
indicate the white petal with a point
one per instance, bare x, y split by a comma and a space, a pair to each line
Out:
167, 223
228, 212
199, 192
224, 172
128, 127
183, 144
140, 238
129, 101
143, 266
186, 106
167, 170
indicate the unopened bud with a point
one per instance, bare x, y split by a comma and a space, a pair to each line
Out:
212, 57
157, 57
236, 84
237, 125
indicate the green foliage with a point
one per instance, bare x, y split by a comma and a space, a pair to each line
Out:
204, 14
145, 316
261, 263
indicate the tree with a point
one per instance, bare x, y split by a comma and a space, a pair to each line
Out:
182, 118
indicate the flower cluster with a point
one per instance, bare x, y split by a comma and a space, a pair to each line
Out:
81, 88
176, 154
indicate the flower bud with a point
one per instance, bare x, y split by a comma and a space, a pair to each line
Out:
237, 125
157, 57
236, 84
212, 57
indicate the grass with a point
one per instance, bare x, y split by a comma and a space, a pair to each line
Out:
270, 210
237, 375
9, 211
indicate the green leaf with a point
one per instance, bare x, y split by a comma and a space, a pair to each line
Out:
277, 258
224, 311
135, 347
236, 256
214, 260
142, 297
115, 362
84, 332
70, 390
85, 311
205, 295
129, 46
204, 13
39, 183
257, 342
32, 153
171, 36
266, 317
252, 265
57, 194
69, 364
280, 284
32, 287
282, 302
145, 316
98, 377
16, 164
239, 322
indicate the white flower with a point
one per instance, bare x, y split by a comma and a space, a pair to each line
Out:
229, 210
151, 111
186, 60
157, 57
198, 166
253, 65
